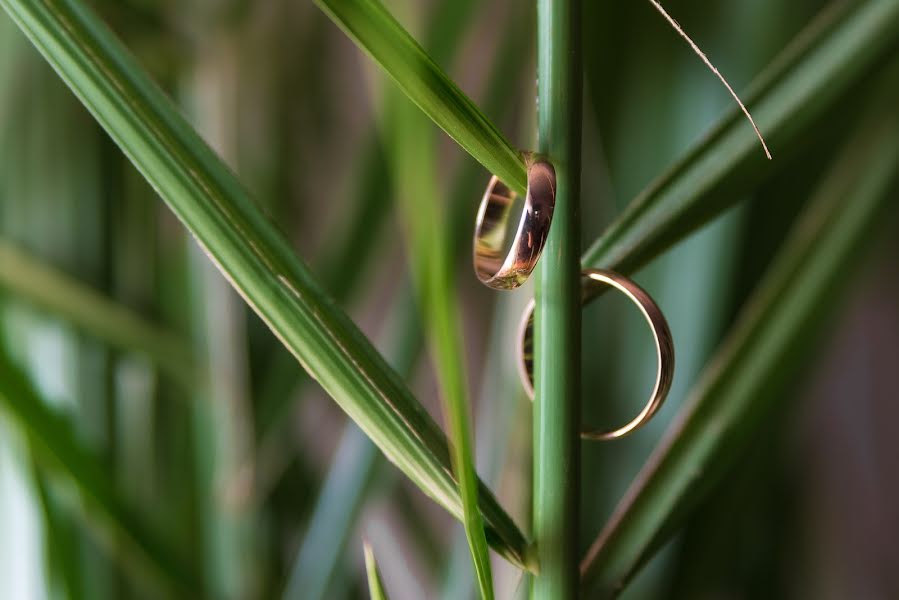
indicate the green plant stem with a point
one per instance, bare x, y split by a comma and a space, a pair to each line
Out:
558, 312
345, 491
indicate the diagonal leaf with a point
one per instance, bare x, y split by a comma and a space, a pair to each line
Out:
825, 64
375, 587
52, 440
741, 385
60, 536
249, 250
375, 30
37, 283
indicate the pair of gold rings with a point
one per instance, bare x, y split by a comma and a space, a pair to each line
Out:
506, 269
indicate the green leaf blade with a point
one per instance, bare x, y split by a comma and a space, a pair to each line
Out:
374, 30
375, 586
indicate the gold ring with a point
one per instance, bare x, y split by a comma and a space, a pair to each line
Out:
506, 272
594, 280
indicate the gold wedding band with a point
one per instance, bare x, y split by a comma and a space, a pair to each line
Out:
506, 272
594, 280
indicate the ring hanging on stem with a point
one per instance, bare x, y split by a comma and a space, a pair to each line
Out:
594, 281
508, 271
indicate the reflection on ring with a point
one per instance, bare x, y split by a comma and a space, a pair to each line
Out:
506, 270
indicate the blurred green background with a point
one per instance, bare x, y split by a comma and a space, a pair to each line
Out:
217, 442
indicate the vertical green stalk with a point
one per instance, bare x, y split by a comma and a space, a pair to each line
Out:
558, 313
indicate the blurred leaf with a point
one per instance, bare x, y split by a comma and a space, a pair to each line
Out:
350, 474
60, 535
447, 23
250, 251
825, 63
339, 502
427, 246
742, 383
499, 430
375, 30
40, 284
375, 587
222, 418
52, 439
432, 271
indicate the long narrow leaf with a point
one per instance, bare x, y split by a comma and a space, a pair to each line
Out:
827, 61
52, 439
432, 267
375, 587
427, 233
39, 284
742, 383
249, 250
375, 30
60, 549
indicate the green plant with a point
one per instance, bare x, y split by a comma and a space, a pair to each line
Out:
557, 311
847, 51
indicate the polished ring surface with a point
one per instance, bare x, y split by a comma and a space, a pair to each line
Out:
508, 271
594, 281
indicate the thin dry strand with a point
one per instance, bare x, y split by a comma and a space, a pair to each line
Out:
709, 64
